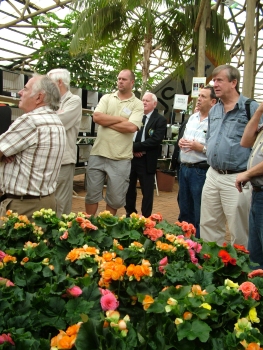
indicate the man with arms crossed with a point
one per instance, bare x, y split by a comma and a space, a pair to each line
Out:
253, 135
193, 160
31, 150
145, 153
220, 199
119, 115
70, 113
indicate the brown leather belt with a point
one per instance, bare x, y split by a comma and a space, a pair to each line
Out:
228, 172
22, 197
257, 188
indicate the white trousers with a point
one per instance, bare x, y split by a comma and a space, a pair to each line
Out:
222, 202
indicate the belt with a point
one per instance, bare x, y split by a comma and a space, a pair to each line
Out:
257, 188
200, 165
22, 197
228, 172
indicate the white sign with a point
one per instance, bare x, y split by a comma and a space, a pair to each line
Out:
198, 83
180, 102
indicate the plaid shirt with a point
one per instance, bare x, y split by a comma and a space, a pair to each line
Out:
37, 139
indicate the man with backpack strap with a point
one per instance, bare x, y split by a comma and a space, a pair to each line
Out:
221, 201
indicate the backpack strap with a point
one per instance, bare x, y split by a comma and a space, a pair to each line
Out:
247, 106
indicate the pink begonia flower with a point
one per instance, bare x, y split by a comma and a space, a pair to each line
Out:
194, 245
74, 291
2, 255
162, 264
104, 291
192, 256
64, 236
6, 338
180, 236
6, 282
164, 261
109, 302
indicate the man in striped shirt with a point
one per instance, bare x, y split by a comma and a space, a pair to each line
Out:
31, 150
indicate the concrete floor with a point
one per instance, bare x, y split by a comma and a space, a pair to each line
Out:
165, 203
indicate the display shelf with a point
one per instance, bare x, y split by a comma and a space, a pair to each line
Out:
9, 99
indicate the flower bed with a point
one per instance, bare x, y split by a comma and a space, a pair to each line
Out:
123, 283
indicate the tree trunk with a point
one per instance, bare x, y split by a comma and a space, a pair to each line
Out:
202, 41
250, 51
146, 62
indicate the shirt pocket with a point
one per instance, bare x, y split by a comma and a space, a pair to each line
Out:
235, 128
214, 125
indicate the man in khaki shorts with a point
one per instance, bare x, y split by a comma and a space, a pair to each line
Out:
119, 115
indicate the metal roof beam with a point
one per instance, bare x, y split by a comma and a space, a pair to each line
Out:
33, 14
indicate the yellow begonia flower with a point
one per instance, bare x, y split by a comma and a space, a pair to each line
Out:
253, 315
242, 326
206, 306
231, 284
172, 301
168, 308
178, 321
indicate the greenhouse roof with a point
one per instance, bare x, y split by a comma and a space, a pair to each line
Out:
16, 23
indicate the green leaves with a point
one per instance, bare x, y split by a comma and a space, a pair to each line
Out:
166, 299
192, 330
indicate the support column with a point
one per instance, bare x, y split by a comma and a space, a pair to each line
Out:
250, 51
202, 41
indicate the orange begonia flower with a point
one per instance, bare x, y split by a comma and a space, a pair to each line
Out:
67, 342
130, 270
137, 244
187, 315
108, 256
253, 346
73, 329
8, 258
197, 290
90, 250
147, 301
72, 255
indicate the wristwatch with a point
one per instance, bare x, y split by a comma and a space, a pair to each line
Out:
204, 150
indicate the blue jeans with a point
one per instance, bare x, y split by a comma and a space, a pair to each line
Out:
191, 182
255, 238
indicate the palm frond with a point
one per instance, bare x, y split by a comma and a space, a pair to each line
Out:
97, 28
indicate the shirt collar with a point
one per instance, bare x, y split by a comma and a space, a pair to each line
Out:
148, 115
115, 94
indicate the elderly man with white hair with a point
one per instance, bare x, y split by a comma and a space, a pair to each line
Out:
31, 150
146, 147
70, 113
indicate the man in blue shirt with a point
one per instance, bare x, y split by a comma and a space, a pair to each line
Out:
221, 201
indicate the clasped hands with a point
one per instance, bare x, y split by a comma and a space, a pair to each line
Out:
188, 145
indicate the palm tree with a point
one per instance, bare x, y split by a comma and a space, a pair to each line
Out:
142, 26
